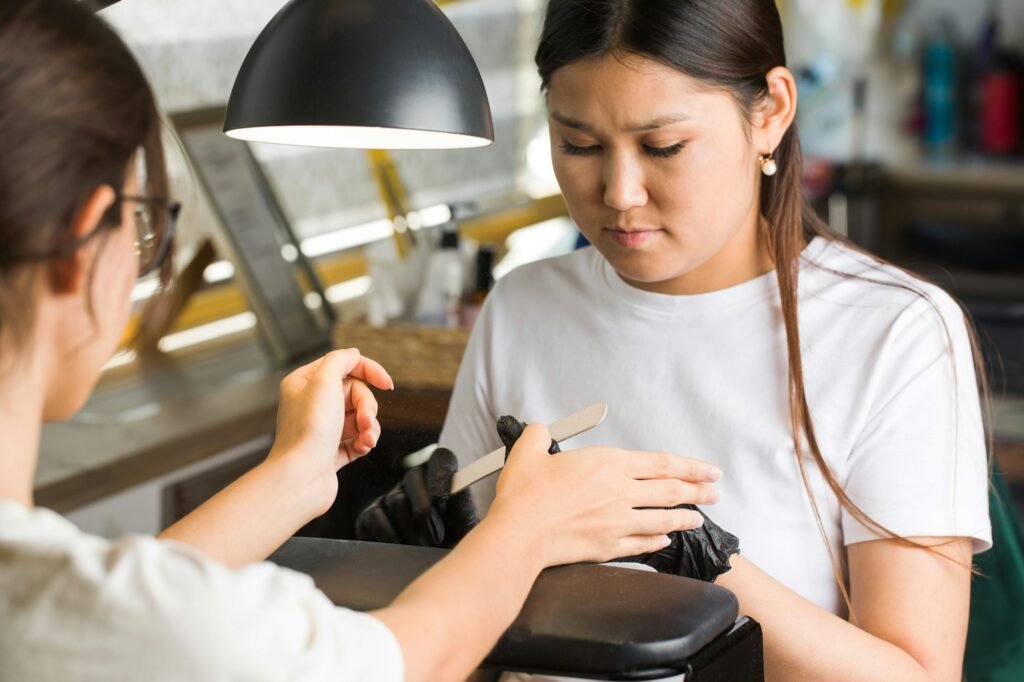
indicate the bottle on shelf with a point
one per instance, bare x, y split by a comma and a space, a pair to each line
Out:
440, 294
940, 90
484, 281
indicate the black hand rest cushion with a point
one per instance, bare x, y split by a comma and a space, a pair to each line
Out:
581, 620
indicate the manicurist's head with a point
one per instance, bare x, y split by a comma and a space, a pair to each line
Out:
83, 195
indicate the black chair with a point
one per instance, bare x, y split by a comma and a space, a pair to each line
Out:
599, 622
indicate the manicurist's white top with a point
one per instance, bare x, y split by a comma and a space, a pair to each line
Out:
79, 607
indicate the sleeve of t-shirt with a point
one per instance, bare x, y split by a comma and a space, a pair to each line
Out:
469, 427
919, 466
257, 623
293, 629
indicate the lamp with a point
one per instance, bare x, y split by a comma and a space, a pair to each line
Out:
371, 74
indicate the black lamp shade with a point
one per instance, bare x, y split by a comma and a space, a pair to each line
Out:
370, 74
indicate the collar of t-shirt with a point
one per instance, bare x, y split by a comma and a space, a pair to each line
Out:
721, 301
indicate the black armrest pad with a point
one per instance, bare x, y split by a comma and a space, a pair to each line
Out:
598, 621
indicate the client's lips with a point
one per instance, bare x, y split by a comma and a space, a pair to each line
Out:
632, 237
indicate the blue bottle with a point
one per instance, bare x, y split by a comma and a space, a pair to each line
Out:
940, 101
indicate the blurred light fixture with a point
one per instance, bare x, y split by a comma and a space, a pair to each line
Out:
368, 74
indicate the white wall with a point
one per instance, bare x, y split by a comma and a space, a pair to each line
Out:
969, 16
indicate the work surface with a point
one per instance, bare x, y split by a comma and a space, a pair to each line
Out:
603, 621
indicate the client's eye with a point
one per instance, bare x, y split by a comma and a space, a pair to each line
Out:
663, 152
576, 150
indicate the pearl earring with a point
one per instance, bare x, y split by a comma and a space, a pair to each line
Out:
768, 165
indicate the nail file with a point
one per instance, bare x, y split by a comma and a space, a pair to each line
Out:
564, 428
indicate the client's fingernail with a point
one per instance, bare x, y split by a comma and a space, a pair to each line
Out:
697, 522
712, 474
713, 496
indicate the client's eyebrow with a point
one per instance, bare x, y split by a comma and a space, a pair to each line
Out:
654, 124
660, 122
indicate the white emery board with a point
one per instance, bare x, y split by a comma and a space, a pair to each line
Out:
564, 428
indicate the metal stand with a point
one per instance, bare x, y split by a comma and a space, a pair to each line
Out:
253, 231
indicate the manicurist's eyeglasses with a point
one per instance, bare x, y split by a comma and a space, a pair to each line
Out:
154, 232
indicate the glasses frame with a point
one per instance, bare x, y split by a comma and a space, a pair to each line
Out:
163, 247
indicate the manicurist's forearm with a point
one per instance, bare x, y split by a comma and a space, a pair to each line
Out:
450, 618
250, 518
804, 641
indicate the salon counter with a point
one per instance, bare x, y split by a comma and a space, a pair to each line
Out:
173, 412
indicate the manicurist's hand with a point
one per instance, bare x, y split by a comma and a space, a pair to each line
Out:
591, 504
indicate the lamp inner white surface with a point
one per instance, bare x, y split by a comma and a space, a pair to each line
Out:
355, 137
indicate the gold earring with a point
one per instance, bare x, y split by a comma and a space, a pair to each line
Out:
768, 165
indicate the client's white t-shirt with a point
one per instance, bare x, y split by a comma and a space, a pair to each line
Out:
78, 607
706, 376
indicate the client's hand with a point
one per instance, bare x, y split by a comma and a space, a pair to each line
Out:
327, 418
702, 553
